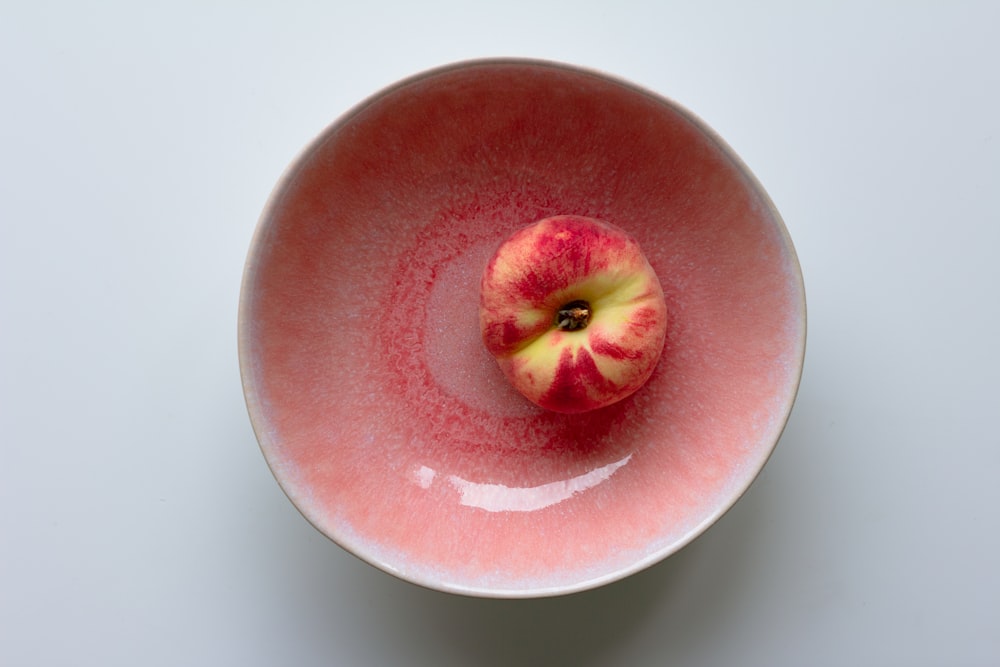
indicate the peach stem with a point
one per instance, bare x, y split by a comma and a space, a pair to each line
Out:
574, 316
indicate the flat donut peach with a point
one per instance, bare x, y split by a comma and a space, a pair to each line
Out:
573, 313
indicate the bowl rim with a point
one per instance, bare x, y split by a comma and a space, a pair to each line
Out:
244, 325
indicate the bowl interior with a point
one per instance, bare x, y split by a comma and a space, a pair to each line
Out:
378, 409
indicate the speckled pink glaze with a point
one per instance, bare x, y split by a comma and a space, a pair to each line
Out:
390, 426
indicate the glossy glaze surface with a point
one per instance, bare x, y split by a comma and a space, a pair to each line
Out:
387, 422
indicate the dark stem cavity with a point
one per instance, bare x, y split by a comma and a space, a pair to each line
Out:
574, 316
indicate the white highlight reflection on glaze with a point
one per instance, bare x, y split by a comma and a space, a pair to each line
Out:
501, 498
425, 476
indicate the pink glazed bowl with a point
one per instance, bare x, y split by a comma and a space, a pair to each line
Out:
389, 425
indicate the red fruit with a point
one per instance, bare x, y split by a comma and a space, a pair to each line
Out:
573, 313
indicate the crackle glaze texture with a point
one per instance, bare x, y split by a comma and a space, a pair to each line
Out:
388, 423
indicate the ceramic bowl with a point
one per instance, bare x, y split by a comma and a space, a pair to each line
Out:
378, 409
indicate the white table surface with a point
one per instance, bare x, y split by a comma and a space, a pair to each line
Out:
139, 524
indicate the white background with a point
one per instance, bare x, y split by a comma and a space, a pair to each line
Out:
139, 524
